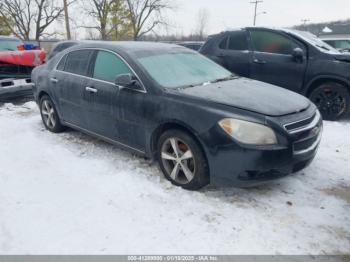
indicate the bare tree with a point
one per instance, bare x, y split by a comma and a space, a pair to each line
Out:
146, 15
26, 13
4, 28
100, 10
66, 19
20, 13
47, 12
202, 23
121, 28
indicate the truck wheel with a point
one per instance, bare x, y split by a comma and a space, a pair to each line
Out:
332, 99
182, 160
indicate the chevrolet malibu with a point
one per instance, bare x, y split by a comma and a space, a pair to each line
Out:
165, 102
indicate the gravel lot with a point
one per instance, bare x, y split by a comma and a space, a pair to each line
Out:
72, 194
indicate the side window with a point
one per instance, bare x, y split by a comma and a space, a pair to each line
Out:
238, 41
60, 66
269, 42
77, 62
108, 66
223, 43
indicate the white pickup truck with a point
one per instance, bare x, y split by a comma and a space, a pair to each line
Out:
15, 88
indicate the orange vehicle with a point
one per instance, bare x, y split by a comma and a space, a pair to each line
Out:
16, 65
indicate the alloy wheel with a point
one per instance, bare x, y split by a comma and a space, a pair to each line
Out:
178, 160
330, 102
48, 113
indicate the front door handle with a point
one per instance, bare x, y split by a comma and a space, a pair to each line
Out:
258, 61
90, 89
54, 80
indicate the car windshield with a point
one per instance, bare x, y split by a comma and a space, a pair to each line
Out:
9, 45
341, 44
315, 41
181, 70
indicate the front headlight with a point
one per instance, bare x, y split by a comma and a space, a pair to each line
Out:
248, 132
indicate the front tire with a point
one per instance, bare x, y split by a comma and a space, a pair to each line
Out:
49, 115
182, 160
332, 99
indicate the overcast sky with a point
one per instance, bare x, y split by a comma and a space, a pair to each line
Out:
225, 14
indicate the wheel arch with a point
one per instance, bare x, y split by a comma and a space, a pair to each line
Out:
169, 125
41, 94
313, 84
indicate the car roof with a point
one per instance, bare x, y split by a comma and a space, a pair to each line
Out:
259, 27
326, 38
127, 46
190, 42
280, 29
67, 42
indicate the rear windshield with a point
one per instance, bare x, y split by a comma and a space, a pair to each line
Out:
174, 70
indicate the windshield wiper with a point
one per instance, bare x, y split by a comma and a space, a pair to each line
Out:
323, 47
210, 82
224, 79
344, 50
186, 86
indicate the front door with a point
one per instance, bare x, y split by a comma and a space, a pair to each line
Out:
102, 100
273, 60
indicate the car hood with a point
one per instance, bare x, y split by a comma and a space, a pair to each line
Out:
251, 95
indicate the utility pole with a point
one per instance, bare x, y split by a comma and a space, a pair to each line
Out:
66, 17
256, 2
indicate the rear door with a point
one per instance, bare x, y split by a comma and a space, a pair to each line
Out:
69, 80
273, 60
234, 53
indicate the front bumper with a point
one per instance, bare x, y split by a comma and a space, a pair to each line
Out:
243, 166
15, 88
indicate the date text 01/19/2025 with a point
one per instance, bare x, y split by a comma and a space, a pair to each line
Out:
172, 258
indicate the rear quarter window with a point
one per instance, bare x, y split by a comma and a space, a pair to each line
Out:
62, 63
223, 43
238, 41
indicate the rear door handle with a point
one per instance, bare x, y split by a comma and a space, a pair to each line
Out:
90, 89
260, 62
54, 80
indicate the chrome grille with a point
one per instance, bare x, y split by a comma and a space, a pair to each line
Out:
299, 124
307, 133
303, 125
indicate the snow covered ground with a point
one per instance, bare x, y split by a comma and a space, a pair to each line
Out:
72, 194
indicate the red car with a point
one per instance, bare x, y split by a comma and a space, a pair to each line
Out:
16, 65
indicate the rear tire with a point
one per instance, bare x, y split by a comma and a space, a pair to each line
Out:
182, 160
332, 99
49, 115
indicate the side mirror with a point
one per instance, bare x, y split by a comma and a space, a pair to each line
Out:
298, 55
127, 81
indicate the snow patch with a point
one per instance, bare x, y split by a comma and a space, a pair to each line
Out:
73, 194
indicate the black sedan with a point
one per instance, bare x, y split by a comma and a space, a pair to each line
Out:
166, 102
